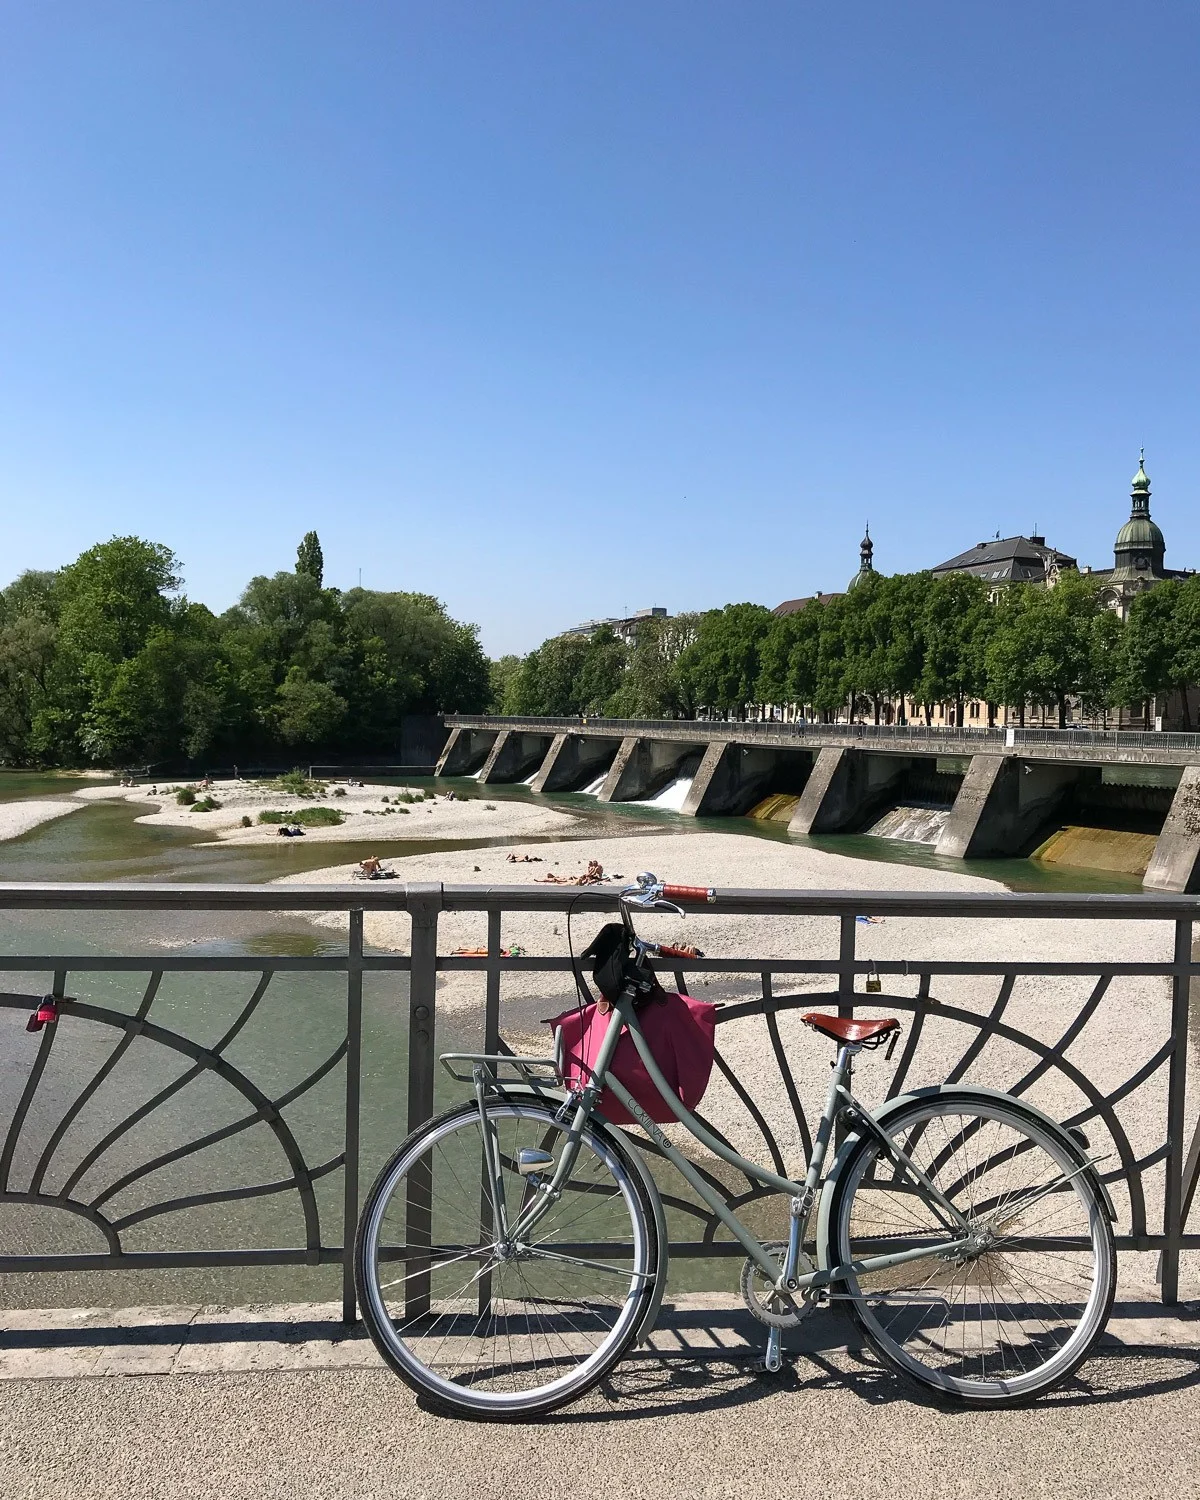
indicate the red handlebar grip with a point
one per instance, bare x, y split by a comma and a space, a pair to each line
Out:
689, 893
665, 950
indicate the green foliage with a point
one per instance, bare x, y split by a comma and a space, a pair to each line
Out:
306, 817
105, 662
298, 784
722, 666
206, 804
310, 559
247, 821
185, 796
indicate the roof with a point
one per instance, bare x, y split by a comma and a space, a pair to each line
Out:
1013, 559
791, 606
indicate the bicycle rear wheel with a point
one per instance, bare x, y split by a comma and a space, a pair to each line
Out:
1016, 1312
485, 1328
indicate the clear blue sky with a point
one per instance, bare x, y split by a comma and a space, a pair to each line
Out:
555, 308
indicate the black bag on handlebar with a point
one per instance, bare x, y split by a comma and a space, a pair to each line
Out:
611, 959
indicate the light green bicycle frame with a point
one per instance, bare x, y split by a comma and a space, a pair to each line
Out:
839, 1097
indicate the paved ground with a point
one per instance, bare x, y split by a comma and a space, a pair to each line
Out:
308, 1417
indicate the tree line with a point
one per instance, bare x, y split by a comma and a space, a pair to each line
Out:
106, 662
910, 638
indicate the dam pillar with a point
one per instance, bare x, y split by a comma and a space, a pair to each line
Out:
513, 756
572, 761
733, 777
1175, 863
465, 751
844, 789
1002, 804
642, 767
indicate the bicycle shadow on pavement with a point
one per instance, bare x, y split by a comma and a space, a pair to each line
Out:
702, 1361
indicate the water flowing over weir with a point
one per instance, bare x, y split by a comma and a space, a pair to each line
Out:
672, 796
911, 824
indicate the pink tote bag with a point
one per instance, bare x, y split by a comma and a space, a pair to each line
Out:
681, 1033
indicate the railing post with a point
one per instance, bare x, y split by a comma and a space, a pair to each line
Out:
354, 973
846, 941
1176, 1118
847, 937
424, 904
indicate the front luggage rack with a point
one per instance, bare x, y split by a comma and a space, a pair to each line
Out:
523, 1066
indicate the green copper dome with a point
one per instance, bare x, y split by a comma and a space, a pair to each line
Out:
1139, 531
1140, 480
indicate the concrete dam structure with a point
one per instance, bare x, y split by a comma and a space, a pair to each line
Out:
987, 793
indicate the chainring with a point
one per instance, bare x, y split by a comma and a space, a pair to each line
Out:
763, 1302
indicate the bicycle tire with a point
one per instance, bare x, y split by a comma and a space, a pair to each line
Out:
540, 1300
981, 1150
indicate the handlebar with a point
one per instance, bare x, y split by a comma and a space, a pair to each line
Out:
704, 893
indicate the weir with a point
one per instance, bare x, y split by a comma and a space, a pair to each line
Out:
973, 794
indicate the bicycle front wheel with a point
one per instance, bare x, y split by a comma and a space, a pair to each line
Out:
1015, 1310
485, 1325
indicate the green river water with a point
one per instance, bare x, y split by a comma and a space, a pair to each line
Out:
299, 1022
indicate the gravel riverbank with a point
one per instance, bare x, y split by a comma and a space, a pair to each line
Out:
371, 813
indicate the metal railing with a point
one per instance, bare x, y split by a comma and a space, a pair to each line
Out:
702, 731
55, 1152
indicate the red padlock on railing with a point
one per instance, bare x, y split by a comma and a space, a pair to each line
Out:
46, 1013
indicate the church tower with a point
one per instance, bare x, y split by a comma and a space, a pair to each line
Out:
1139, 549
866, 565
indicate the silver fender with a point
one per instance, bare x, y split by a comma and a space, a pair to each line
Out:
902, 1101
541, 1094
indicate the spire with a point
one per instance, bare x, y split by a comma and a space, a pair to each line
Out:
866, 565
1140, 492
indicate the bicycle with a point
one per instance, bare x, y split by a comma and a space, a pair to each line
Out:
968, 1233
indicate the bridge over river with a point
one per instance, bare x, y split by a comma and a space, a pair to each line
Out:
1003, 787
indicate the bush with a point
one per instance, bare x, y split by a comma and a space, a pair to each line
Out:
339, 791
185, 795
407, 797
247, 821
298, 784
307, 817
385, 799
206, 804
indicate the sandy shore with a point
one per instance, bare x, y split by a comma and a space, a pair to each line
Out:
370, 813
17, 818
1130, 1021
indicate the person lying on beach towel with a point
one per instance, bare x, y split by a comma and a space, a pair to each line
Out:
593, 875
524, 859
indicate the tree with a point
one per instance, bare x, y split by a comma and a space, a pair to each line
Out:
310, 559
1052, 644
721, 667
956, 627
790, 657
501, 674
1159, 649
307, 712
